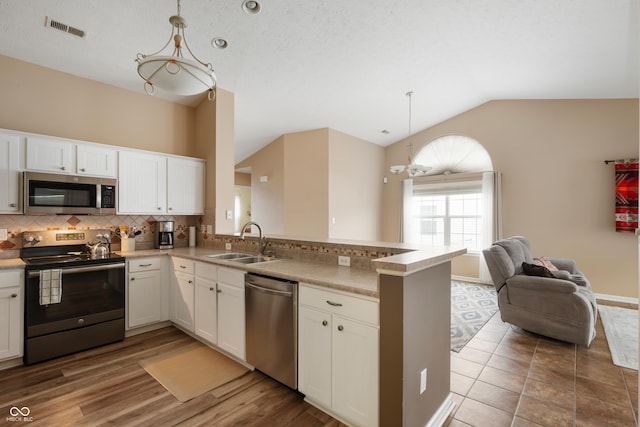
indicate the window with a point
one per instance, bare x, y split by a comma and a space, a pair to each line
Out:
448, 213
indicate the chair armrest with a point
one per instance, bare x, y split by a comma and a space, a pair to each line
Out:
565, 264
541, 284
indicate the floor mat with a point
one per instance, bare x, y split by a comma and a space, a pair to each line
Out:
190, 371
472, 305
621, 328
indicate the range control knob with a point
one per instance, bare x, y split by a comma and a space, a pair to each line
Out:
38, 239
28, 239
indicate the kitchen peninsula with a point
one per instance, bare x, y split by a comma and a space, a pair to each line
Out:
412, 288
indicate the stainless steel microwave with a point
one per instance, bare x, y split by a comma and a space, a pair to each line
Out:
48, 194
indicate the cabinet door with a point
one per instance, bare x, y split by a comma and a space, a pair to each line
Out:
96, 161
144, 298
10, 322
231, 332
355, 371
10, 174
206, 310
185, 186
142, 183
183, 301
50, 155
314, 355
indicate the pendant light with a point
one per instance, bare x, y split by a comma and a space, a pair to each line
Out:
411, 168
174, 73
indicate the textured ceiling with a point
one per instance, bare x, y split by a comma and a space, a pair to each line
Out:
347, 65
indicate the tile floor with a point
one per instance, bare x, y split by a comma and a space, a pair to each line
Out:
507, 377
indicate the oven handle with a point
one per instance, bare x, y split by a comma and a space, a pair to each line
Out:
73, 270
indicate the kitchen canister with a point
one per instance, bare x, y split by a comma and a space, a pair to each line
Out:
128, 245
192, 236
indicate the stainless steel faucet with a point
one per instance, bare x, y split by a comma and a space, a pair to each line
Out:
262, 240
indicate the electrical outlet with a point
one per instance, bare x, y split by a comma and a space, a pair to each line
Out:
227, 246
3, 234
209, 229
344, 260
423, 380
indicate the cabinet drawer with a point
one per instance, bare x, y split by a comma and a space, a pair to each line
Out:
10, 278
184, 265
231, 276
338, 303
206, 270
144, 264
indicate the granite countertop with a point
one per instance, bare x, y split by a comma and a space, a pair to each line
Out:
6, 264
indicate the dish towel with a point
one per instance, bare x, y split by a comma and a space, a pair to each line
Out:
50, 286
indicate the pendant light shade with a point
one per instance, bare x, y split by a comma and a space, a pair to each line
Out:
412, 169
174, 73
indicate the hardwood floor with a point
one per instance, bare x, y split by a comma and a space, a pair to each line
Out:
107, 386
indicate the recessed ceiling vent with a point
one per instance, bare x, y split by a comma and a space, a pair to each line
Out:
52, 23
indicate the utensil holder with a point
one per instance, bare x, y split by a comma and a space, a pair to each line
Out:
128, 245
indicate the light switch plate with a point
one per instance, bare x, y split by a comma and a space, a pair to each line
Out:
423, 380
227, 246
3, 234
229, 214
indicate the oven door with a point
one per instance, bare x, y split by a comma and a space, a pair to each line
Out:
91, 294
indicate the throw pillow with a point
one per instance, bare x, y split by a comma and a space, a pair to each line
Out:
544, 261
536, 270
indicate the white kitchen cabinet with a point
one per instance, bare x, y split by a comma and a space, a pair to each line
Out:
231, 320
338, 353
183, 295
10, 179
50, 155
96, 160
142, 183
146, 292
185, 186
206, 321
11, 313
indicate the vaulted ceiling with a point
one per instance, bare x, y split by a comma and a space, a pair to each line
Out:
308, 64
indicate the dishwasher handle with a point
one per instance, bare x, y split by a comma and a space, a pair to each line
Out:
269, 291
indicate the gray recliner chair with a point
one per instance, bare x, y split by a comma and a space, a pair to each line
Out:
557, 304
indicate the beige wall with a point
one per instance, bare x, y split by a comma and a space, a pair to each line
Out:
556, 188
48, 102
306, 183
224, 162
267, 198
355, 187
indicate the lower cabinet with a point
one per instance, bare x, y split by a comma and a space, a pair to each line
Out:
231, 321
147, 299
183, 295
338, 353
206, 302
11, 313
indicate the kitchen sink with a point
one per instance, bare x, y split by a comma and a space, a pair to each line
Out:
231, 255
241, 258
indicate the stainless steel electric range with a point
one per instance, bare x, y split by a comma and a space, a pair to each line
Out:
74, 292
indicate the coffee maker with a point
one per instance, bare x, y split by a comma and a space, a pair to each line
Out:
163, 238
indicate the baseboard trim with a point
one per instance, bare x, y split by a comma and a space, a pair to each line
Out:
440, 417
469, 279
616, 298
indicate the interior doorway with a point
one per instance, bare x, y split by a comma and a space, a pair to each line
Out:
242, 206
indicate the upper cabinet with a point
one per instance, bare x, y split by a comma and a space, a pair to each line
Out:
50, 155
60, 156
96, 161
142, 183
157, 184
10, 174
185, 186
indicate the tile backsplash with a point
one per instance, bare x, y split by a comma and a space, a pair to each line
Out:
16, 224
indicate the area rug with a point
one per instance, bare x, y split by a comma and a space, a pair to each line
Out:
192, 370
472, 305
621, 329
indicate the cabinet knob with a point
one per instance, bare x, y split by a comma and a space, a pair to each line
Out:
133, 278
183, 266
190, 281
12, 205
159, 208
325, 323
340, 327
80, 321
83, 170
14, 295
64, 168
170, 209
211, 289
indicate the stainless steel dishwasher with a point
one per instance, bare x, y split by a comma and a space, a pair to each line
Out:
272, 327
